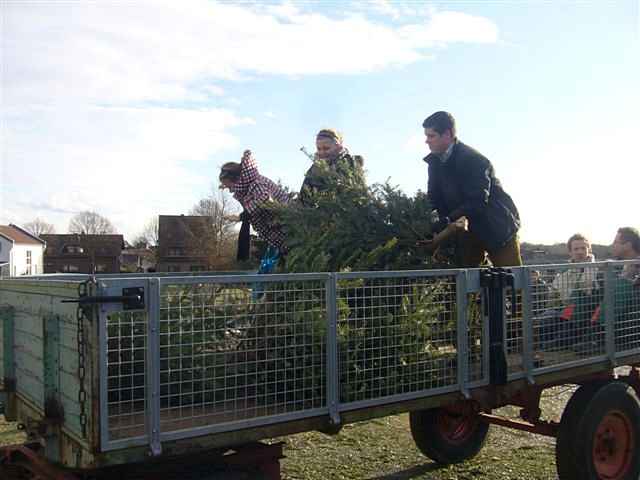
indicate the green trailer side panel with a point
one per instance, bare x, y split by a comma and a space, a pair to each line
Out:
7, 365
36, 302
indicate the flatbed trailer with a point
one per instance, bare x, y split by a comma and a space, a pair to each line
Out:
114, 373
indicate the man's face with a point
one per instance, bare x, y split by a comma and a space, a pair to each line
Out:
327, 148
579, 251
620, 248
438, 143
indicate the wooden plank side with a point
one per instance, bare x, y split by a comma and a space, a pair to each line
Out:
35, 301
46, 288
69, 387
28, 351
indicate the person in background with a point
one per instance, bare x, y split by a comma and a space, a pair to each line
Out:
625, 292
626, 246
579, 279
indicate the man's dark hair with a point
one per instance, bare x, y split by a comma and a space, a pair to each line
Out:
577, 236
631, 235
441, 122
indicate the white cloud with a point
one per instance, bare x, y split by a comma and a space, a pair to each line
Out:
114, 160
449, 27
385, 7
88, 90
415, 145
119, 52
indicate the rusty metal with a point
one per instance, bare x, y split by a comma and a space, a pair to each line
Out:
529, 400
21, 459
24, 462
633, 379
548, 429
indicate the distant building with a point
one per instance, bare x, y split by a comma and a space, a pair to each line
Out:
21, 252
137, 260
182, 243
80, 253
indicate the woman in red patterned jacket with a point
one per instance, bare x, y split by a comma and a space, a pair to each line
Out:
254, 191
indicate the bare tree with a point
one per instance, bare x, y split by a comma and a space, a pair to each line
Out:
39, 227
219, 241
149, 235
90, 223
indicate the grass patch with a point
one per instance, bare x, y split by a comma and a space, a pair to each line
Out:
9, 434
384, 450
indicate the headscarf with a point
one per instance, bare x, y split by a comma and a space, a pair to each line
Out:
248, 175
330, 133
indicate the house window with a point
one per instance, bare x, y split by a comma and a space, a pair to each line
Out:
173, 268
176, 252
73, 249
29, 258
70, 268
101, 267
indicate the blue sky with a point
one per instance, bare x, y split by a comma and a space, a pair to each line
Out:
129, 108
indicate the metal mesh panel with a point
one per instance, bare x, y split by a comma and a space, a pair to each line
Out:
231, 352
626, 306
566, 300
395, 335
126, 374
475, 322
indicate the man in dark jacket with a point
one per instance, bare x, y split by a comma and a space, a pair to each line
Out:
462, 183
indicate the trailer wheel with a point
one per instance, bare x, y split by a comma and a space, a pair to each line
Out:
566, 462
608, 435
446, 436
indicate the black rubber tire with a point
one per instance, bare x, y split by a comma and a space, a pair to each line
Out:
427, 433
614, 400
566, 462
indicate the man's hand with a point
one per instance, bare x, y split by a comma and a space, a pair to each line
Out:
461, 224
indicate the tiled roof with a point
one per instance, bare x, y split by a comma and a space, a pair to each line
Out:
18, 235
111, 243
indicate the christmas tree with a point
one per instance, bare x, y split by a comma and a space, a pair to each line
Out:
348, 226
